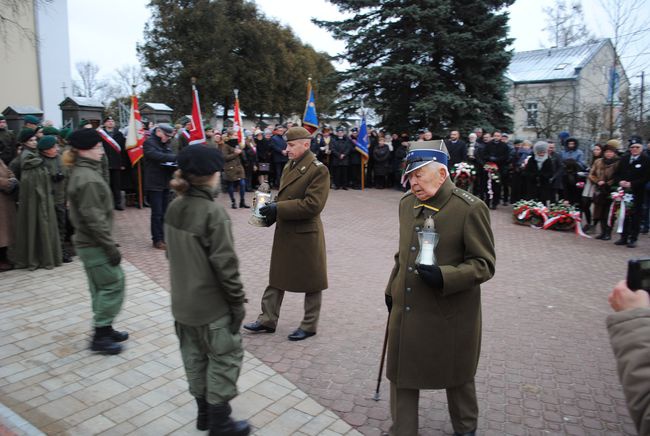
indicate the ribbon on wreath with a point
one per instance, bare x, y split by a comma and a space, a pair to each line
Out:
620, 198
577, 219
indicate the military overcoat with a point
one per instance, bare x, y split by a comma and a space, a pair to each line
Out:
298, 258
434, 337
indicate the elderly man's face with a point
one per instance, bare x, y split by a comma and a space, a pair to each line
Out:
295, 149
426, 181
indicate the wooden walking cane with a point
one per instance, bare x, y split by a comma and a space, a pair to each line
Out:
383, 357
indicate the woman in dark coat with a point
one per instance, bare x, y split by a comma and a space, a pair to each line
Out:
381, 157
538, 173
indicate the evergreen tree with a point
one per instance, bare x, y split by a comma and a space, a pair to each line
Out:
427, 63
228, 44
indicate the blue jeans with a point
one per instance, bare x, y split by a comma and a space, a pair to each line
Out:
242, 189
158, 201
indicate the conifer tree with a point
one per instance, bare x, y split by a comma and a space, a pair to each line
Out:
427, 63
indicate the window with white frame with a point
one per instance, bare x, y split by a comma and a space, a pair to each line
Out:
531, 113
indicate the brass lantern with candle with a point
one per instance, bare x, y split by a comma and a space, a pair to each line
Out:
261, 197
428, 239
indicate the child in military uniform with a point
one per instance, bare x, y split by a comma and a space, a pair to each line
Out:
206, 291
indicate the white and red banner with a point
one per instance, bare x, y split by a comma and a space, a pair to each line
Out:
237, 125
135, 136
109, 140
197, 134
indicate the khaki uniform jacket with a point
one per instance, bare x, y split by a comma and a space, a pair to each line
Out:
298, 258
91, 205
434, 338
234, 170
203, 265
629, 334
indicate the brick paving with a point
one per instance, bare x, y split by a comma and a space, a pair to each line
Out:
546, 365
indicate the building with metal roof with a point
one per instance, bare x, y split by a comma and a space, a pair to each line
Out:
570, 89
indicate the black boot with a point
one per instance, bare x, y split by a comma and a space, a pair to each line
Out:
233, 204
103, 342
621, 241
202, 422
65, 255
243, 204
221, 424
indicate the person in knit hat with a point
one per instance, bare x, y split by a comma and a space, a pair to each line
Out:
7, 142
38, 244
91, 214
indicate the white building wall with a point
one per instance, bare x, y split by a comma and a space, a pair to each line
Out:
53, 56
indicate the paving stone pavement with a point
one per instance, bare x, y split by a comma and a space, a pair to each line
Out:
546, 365
51, 384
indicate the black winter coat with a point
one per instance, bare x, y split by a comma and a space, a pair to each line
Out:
157, 175
539, 185
341, 146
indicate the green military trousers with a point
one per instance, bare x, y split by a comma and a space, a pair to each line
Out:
461, 402
106, 283
212, 356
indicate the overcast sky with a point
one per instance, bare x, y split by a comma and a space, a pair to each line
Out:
106, 32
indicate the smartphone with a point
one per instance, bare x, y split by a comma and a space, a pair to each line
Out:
638, 274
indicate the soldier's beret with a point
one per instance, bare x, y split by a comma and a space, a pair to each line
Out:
26, 134
49, 130
208, 127
31, 119
82, 123
2, 118
296, 133
84, 139
200, 160
109, 118
46, 142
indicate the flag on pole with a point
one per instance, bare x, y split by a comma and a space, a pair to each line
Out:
310, 117
362, 140
197, 134
135, 136
237, 125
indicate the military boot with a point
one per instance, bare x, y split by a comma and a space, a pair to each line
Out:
221, 424
243, 204
103, 343
202, 422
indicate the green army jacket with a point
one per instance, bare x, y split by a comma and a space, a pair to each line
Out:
203, 265
91, 205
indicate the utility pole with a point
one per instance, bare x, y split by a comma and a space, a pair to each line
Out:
641, 105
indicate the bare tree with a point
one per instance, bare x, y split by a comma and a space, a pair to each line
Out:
89, 84
126, 77
548, 109
566, 23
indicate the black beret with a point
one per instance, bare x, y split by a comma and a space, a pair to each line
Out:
84, 139
200, 160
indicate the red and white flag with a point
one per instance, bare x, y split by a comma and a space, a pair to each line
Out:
197, 134
135, 136
237, 125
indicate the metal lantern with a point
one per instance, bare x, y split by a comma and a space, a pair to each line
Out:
428, 239
260, 198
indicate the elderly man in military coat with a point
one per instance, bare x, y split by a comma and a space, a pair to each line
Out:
434, 333
298, 259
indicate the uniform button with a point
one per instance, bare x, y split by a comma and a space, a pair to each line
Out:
408, 308
408, 289
410, 268
413, 248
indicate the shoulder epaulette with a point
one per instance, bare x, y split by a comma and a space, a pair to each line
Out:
465, 196
317, 163
406, 194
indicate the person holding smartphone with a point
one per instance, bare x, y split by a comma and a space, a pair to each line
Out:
629, 333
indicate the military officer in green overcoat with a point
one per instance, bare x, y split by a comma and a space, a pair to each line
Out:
434, 332
206, 290
298, 258
91, 214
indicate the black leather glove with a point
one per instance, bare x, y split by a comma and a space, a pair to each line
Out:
237, 314
389, 302
270, 213
114, 256
431, 275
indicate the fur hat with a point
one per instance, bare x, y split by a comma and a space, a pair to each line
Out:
612, 144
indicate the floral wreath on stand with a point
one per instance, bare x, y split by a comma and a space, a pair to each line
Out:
492, 170
463, 175
623, 202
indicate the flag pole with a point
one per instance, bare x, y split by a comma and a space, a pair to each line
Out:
140, 196
363, 158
